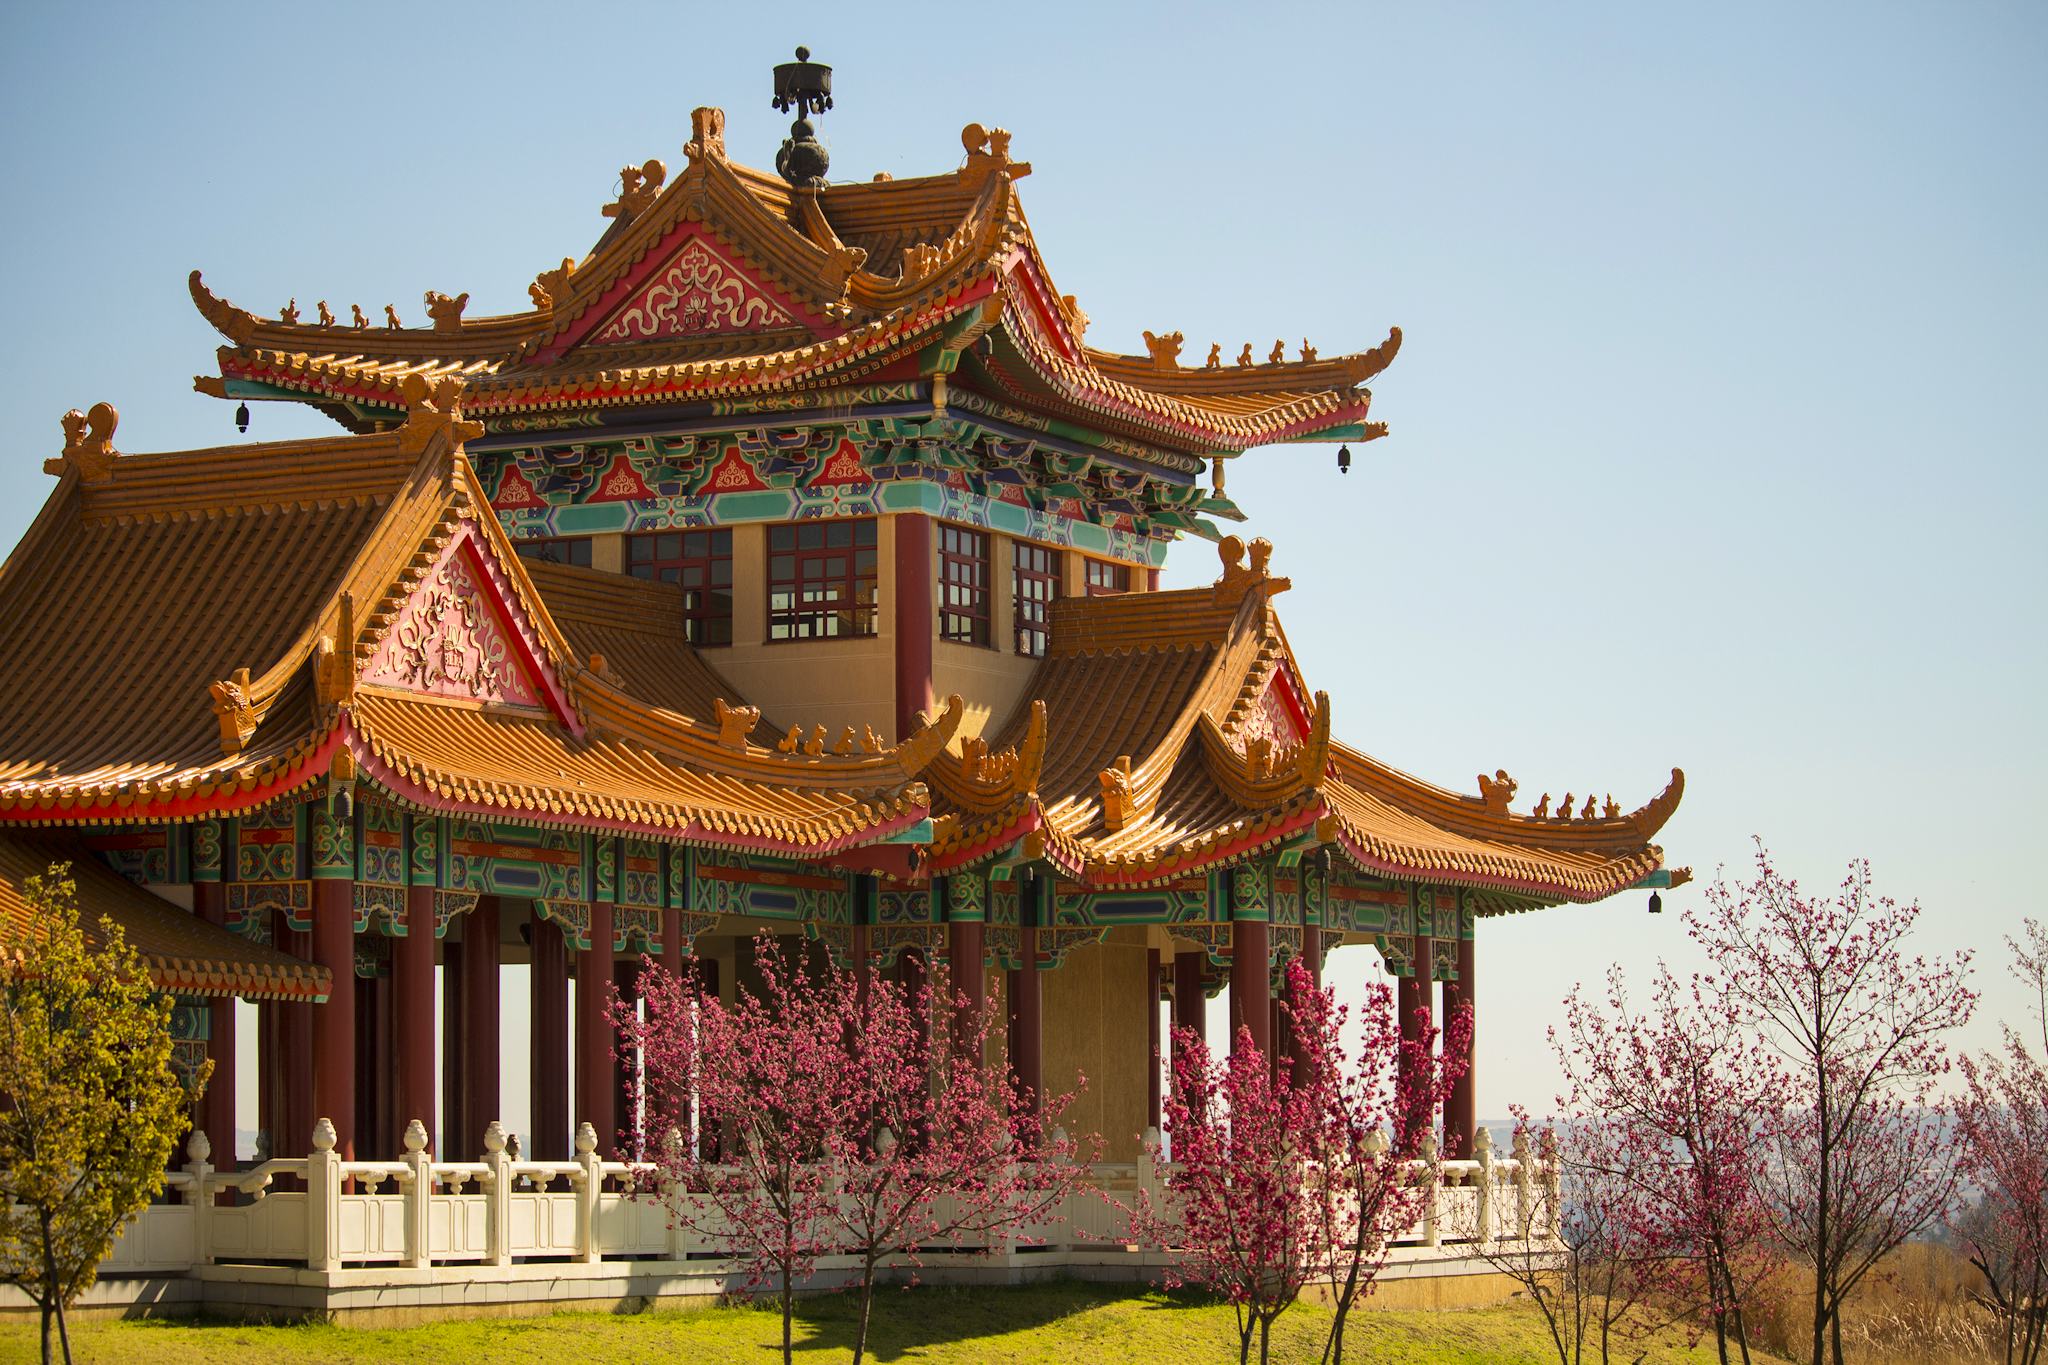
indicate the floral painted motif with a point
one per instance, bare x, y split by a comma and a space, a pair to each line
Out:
699, 293
449, 641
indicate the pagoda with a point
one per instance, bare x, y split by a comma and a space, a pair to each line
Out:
789, 566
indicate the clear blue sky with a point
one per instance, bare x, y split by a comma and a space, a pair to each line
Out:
1716, 436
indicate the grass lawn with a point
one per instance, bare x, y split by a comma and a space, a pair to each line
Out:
1043, 1323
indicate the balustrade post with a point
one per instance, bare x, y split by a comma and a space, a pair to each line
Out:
1523, 1193
1432, 1204
323, 1200
588, 1181
498, 1184
418, 1189
1482, 1152
198, 1148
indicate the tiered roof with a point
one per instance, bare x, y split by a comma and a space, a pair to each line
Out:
811, 289
200, 633
1167, 732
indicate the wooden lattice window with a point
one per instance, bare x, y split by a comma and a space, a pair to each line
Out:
1106, 578
1036, 579
963, 585
821, 579
700, 562
560, 550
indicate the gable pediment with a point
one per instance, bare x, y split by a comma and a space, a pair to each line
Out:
461, 635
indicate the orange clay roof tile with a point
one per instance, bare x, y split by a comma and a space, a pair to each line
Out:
181, 952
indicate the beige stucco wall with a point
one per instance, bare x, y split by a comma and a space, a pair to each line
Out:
810, 682
608, 553
1094, 1025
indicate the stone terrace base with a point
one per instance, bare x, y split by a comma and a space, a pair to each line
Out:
396, 1296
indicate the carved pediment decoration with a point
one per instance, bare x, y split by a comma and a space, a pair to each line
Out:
699, 292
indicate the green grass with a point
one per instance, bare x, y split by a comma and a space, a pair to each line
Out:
1029, 1326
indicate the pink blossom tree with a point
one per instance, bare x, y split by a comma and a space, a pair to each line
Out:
773, 1070
1862, 1160
1366, 1108
1683, 1093
1577, 1244
1240, 1210
2003, 1123
946, 1161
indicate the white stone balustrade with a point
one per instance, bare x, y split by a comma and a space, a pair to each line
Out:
418, 1212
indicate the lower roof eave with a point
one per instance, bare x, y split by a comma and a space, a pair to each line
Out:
1552, 893
691, 831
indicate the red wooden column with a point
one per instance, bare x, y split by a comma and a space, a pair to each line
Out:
596, 1090
1251, 989
1415, 997
549, 1051
1152, 990
969, 983
334, 1023
412, 979
1030, 1024
217, 1105
1311, 958
481, 1063
626, 981
707, 1126
915, 627
289, 1048
1460, 1112
1190, 1001
453, 1120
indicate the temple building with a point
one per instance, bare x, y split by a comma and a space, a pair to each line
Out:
790, 565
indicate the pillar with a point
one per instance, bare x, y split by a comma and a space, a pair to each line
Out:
453, 1120
217, 1106
1312, 959
1030, 1065
707, 1129
375, 1078
1415, 997
1190, 1001
595, 1087
969, 984
480, 1037
548, 1053
287, 1061
1460, 1113
1152, 991
412, 981
1251, 988
626, 981
915, 626
334, 1023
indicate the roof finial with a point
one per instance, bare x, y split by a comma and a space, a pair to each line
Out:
807, 86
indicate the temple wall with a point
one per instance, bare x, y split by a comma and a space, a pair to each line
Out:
810, 682
1095, 1024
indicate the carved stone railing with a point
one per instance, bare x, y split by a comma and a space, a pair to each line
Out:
418, 1211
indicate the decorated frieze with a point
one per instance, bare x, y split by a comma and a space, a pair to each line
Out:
689, 482
270, 843
504, 858
151, 855
380, 910
208, 850
251, 907
381, 858
888, 941
191, 1032
727, 883
894, 906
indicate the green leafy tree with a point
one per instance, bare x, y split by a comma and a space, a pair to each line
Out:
90, 1107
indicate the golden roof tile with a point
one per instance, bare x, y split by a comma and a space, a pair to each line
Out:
182, 953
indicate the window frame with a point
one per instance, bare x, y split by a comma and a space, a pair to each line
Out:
701, 551
966, 564
1122, 571
1053, 575
857, 599
524, 545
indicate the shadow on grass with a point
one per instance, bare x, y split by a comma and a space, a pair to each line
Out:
907, 1320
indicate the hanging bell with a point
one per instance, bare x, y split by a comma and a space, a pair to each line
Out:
242, 418
1656, 904
1343, 459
